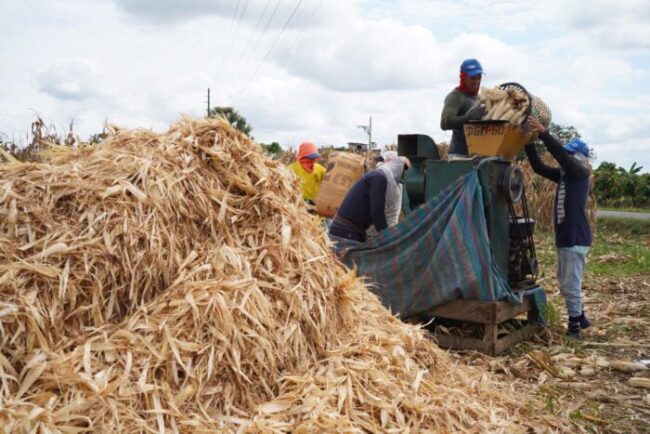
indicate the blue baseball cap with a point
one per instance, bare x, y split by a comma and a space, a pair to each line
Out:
577, 145
471, 67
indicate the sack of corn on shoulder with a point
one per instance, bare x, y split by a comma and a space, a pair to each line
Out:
511, 102
175, 282
343, 170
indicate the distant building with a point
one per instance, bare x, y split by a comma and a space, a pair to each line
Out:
363, 147
357, 147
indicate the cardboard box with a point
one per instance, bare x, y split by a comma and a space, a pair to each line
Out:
343, 170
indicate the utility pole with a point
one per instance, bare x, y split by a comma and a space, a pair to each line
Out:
368, 130
208, 102
369, 137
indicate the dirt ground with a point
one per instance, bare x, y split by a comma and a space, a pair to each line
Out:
584, 381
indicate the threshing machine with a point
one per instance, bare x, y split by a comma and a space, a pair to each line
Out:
509, 225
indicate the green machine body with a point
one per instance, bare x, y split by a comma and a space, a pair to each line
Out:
501, 185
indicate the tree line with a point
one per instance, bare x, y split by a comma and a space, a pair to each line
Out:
620, 188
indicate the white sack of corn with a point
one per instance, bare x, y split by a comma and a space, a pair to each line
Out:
176, 283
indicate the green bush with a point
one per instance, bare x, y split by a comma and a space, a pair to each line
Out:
617, 187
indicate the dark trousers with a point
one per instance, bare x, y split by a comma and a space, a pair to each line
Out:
344, 230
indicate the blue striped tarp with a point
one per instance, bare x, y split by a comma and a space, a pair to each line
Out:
440, 252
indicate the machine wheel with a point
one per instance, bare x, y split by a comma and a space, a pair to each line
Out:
513, 184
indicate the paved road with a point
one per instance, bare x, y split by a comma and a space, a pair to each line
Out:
621, 214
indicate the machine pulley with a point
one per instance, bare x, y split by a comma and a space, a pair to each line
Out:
513, 184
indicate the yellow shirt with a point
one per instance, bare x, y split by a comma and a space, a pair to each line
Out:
310, 181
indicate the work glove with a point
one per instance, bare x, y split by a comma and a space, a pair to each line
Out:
476, 112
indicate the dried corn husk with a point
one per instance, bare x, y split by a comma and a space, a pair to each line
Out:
642, 382
176, 282
565, 372
443, 150
587, 371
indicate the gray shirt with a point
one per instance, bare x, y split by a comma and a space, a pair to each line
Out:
453, 117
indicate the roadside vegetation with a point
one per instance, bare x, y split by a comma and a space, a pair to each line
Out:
617, 187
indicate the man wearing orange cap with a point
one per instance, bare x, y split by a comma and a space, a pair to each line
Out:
306, 168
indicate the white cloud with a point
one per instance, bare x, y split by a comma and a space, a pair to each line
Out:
142, 63
471, 15
258, 13
373, 55
174, 11
599, 71
624, 153
386, 54
613, 25
501, 61
612, 127
69, 80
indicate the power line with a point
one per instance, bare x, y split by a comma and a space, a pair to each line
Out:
239, 19
225, 45
275, 41
302, 11
302, 31
297, 39
244, 52
259, 38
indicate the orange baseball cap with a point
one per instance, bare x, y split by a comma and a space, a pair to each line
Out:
307, 150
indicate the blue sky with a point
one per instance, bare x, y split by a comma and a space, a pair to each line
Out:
141, 63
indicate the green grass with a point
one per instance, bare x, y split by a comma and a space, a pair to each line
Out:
626, 238
624, 227
632, 259
620, 248
552, 313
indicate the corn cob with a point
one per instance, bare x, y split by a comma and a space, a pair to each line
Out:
490, 114
641, 382
509, 105
629, 367
501, 109
519, 115
508, 115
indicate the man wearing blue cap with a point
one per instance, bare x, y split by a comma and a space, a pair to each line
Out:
462, 106
572, 230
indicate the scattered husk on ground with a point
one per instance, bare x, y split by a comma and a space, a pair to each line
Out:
175, 282
581, 380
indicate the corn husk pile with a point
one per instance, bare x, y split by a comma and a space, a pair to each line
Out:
540, 194
443, 150
504, 104
175, 282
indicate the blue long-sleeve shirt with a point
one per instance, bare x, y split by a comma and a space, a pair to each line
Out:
572, 178
364, 203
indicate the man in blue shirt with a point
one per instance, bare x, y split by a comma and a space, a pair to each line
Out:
572, 230
365, 203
